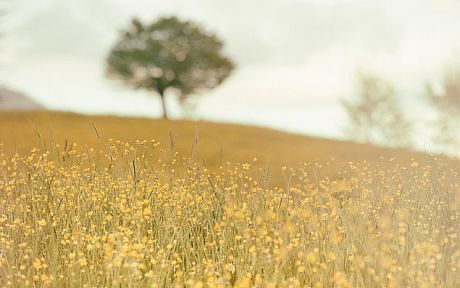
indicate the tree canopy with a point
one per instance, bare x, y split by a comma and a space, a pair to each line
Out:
169, 54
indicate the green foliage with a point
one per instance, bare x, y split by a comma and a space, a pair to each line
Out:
169, 54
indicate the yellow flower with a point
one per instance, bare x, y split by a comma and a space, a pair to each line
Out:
331, 255
82, 261
37, 264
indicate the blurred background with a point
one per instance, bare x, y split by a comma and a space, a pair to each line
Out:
379, 71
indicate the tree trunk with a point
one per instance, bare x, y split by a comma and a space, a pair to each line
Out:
163, 105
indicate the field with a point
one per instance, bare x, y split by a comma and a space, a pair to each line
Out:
212, 144
103, 201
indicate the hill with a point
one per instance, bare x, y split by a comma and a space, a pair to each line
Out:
144, 214
14, 101
216, 142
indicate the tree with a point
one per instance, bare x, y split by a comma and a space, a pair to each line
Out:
169, 54
446, 101
376, 116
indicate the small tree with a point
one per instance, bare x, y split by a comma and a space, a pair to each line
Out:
447, 103
375, 115
169, 54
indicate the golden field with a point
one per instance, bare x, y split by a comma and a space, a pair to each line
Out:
201, 209
212, 143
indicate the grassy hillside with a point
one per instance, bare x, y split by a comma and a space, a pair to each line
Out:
216, 143
137, 215
134, 213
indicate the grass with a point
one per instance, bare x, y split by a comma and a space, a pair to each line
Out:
142, 213
212, 143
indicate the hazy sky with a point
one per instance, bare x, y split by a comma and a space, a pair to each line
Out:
296, 58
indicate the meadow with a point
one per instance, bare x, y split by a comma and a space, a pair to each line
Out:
211, 143
113, 202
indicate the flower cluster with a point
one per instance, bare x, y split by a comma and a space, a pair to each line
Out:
139, 215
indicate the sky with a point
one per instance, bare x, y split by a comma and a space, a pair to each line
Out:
296, 59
